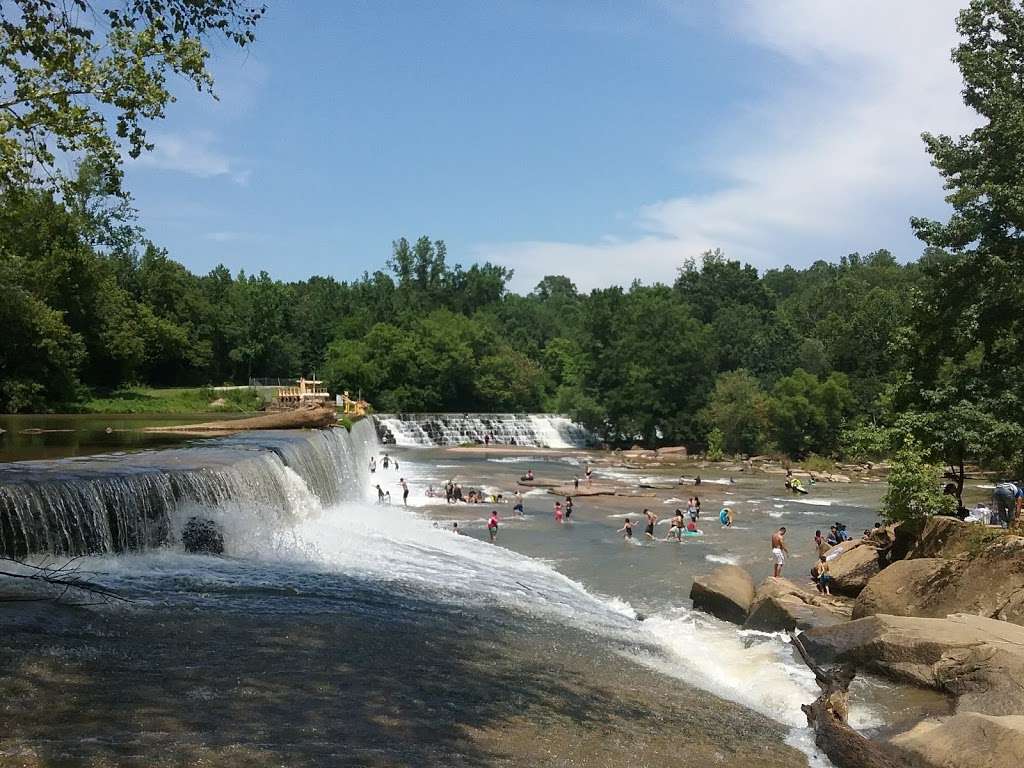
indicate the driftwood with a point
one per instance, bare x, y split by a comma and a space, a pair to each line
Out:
61, 580
298, 418
827, 716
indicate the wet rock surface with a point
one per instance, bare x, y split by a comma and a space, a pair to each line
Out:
727, 592
978, 660
780, 605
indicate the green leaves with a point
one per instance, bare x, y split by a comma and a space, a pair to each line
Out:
83, 79
914, 487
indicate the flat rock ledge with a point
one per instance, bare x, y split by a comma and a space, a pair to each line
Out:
978, 660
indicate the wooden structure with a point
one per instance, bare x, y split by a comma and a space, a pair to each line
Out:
308, 392
350, 407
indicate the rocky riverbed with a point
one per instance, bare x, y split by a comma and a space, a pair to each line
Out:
947, 616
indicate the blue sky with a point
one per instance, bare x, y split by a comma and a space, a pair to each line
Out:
604, 140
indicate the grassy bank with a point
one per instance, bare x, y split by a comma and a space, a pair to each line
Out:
175, 400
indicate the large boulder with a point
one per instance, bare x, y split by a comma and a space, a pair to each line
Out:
781, 606
977, 659
946, 537
852, 564
201, 536
726, 592
966, 740
988, 582
898, 590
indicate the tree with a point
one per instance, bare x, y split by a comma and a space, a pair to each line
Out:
914, 489
83, 77
738, 410
807, 414
40, 355
962, 393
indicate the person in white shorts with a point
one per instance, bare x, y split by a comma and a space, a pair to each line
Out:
779, 551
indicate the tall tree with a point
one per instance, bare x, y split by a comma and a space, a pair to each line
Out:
964, 354
85, 76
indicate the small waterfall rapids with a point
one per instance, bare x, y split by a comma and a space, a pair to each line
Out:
135, 501
539, 430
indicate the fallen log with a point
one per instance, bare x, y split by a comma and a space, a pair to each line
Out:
299, 418
827, 715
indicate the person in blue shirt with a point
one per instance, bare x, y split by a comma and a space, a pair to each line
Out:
1007, 499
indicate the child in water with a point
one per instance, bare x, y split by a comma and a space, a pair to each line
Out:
492, 526
558, 512
626, 530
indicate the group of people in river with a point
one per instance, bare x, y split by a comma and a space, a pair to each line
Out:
681, 524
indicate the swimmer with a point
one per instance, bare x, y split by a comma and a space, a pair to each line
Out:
651, 520
455, 529
405, 491
380, 494
626, 530
558, 512
492, 526
568, 508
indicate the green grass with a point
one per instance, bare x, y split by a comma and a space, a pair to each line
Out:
173, 400
816, 463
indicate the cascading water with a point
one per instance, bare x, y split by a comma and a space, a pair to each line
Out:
127, 502
447, 429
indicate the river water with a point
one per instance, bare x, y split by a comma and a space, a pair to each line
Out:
503, 646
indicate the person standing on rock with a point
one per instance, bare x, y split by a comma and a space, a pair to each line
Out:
779, 551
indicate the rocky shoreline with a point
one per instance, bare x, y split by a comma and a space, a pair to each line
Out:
938, 606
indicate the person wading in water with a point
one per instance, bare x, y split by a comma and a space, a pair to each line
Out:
779, 551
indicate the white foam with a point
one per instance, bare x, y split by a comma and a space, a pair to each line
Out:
723, 559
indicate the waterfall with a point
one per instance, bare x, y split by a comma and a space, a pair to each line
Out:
135, 501
445, 429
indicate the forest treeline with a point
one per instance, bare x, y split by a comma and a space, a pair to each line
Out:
852, 357
792, 359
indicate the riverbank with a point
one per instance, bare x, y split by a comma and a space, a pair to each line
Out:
173, 400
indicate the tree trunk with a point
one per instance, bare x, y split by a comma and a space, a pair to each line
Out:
827, 716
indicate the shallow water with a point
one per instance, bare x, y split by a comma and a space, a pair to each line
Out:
85, 434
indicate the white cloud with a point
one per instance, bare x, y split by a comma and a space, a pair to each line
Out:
194, 153
229, 236
834, 163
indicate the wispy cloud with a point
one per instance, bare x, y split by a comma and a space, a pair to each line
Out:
833, 163
194, 153
228, 236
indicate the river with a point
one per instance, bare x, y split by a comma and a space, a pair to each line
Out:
336, 631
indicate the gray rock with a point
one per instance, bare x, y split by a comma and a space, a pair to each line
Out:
726, 592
